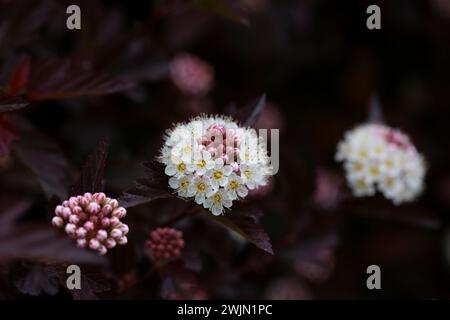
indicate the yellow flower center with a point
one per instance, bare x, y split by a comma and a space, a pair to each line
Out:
363, 153
201, 164
247, 173
184, 184
181, 167
389, 163
374, 171
361, 183
217, 198
357, 166
218, 175
201, 187
234, 185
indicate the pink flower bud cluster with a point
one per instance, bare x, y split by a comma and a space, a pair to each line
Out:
191, 75
221, 142
165, 243
93, 220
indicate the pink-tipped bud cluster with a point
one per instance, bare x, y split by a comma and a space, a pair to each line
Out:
93, 220
191, 75
165, 243
221, 142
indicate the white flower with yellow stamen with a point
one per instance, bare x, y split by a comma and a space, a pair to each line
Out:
217, 202
235, 187
181, 185
219, 174
201, 189
377, 157
202, 163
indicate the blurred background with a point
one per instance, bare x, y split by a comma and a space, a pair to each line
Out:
318, 65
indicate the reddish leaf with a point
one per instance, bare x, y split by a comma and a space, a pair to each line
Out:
19, 78
92, 173
7, 135
244, 221
10, 103
151, 187
45, 159
58, 79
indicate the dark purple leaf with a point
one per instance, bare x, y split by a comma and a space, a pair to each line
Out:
45, 159
12, 209
11, 103
36, 278
41, 241
93, 281
92, 173
152, 186
244, 221
58, 79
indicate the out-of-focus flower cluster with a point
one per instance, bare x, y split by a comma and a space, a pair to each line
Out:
165, 243
377, 157
214, 161
93, 220
191, 75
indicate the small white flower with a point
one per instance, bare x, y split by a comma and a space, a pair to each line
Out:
201, 189
217, 202
219, 174
176, 169
181, 185
251, 176
202, 163
235, 187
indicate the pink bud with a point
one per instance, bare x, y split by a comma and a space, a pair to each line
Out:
88, 195
102, 235
94, 244
110, 243
70, 228
100, 197
102, 250
116, 233
93, 208
57, 222
74, 219
122, 241
119, 212
66, 212
59, 210
124, 228
114, 203
105, 222
89, 226
81, 233
106, 210
82, 243
114, 221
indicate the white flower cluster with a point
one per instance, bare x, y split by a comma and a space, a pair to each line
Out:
377, 157
214, 161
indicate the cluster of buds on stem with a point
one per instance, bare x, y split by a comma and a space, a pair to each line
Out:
165, 243
93, 220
